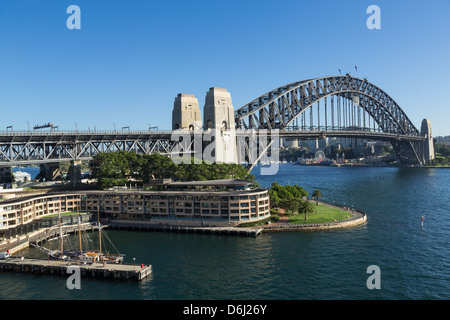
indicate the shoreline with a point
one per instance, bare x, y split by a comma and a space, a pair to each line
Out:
358, 218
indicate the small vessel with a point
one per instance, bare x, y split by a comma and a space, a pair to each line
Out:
81, 256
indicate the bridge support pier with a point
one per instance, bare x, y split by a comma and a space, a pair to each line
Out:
5, 175
75, 172
52, 172
428, 144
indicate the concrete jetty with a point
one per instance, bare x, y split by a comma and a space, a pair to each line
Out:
142, 226
96, 270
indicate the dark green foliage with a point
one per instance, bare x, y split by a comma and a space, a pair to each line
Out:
286, 197
116, 168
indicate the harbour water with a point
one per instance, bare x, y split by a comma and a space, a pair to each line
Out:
413, 261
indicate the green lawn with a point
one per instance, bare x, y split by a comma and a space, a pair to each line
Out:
70, 213
324, 214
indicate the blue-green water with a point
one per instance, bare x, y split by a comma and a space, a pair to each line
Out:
414, 262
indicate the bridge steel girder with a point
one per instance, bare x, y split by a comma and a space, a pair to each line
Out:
51, 147
278, 108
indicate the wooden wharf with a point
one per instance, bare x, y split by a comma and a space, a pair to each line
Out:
96, 270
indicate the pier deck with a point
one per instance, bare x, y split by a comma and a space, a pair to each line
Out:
142, 226
99, 270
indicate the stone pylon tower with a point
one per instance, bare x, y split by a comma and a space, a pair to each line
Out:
428, 144
186, 113
218, 123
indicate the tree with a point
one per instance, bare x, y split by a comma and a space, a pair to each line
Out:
316, 194
274, 198
111, 169
116, 168
306, 207
281, 195
290, 203
156, 166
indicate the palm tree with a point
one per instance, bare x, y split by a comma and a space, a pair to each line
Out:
316, 194
306, 207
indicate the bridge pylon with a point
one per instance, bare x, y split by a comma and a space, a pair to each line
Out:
186, 113
428, 154
219, 127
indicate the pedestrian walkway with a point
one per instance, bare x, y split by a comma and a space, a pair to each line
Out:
283, 218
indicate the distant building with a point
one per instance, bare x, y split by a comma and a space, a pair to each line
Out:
20, 176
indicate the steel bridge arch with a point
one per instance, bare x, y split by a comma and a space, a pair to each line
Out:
277, 109
295, 98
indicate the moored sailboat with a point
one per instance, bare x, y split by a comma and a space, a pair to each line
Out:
81, 256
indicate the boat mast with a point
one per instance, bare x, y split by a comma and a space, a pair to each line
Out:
79, 227
99, 229
60, 229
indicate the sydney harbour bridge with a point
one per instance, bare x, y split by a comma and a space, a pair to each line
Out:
333, 106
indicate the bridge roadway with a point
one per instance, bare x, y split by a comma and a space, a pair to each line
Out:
71, 136
22, 148
357, 134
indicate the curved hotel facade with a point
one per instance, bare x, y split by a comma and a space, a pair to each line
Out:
216, 203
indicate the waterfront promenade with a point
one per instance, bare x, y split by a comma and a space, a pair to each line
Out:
358, 217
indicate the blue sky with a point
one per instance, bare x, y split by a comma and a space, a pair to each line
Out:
131, 58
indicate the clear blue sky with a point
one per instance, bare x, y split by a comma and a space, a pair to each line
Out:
131, 58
